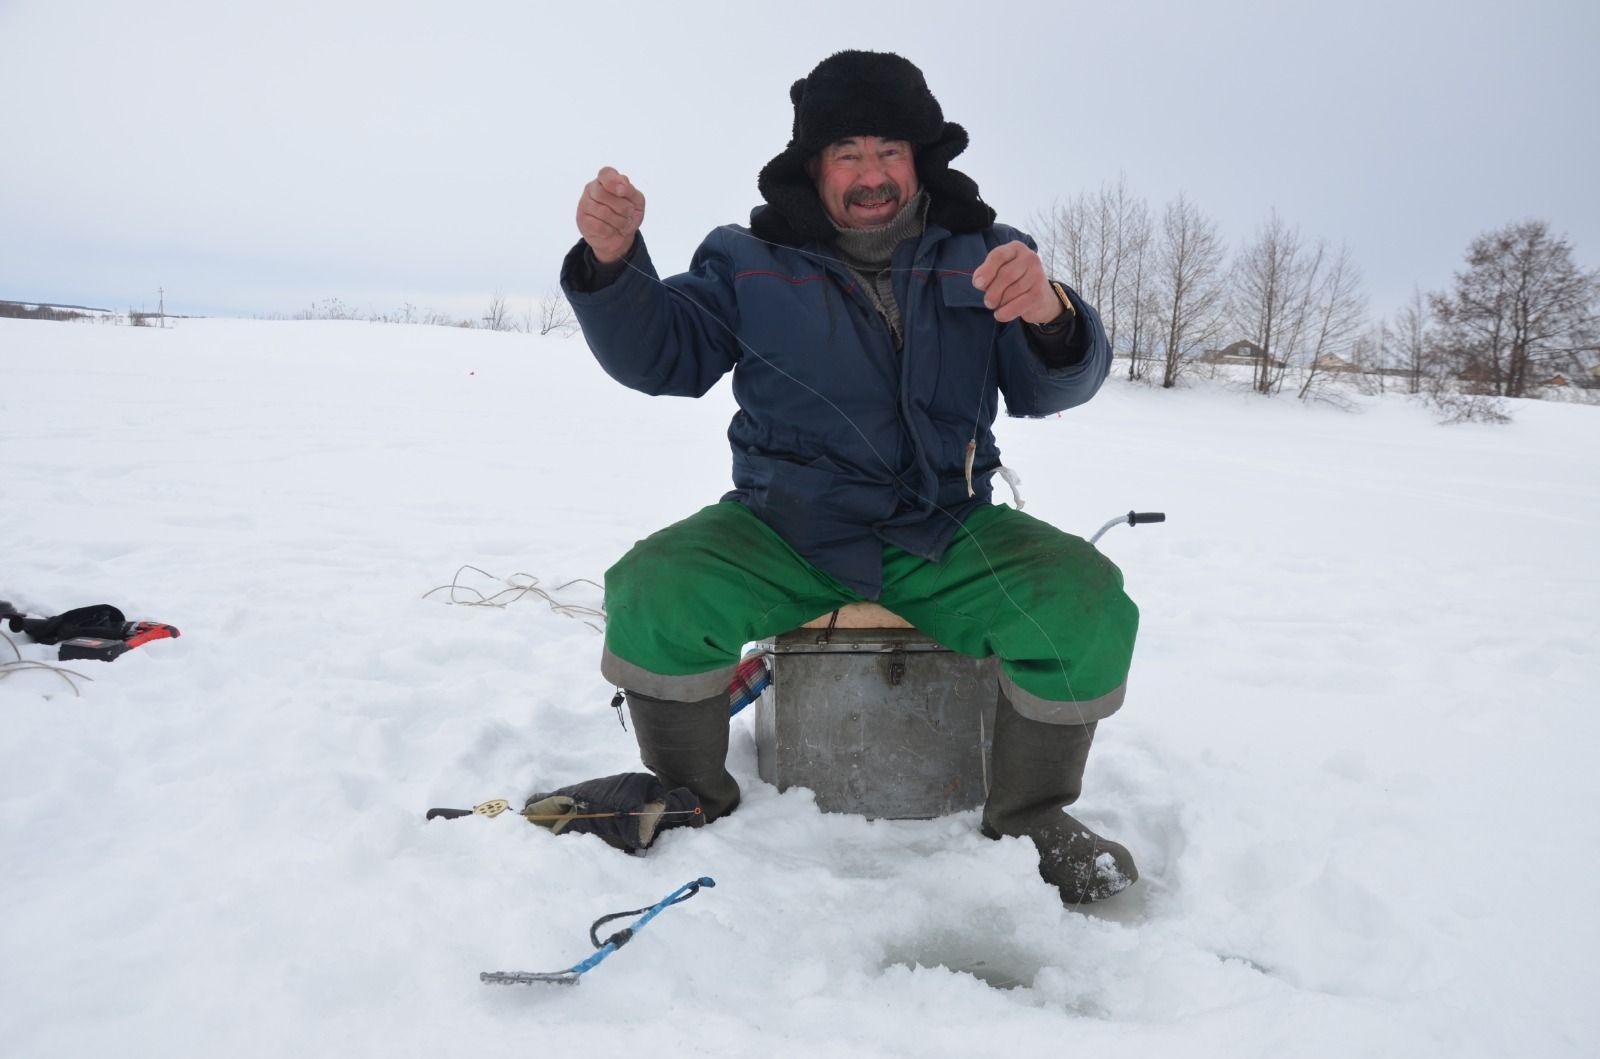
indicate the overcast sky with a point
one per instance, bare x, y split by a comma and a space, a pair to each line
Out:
252, 158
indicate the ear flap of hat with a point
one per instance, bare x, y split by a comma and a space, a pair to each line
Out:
954, 202
795, 214
935, 157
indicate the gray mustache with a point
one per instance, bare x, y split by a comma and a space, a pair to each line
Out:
888, 191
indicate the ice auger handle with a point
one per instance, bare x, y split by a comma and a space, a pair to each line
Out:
1132, 518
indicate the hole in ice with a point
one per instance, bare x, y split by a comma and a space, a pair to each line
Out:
999, 962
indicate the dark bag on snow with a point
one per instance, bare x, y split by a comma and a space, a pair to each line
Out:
627, 811
101, 620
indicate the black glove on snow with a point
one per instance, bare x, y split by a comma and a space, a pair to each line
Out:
626, 811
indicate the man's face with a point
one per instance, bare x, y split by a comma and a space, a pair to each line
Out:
864, 180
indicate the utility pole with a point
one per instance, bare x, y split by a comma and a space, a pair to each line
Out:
161, 305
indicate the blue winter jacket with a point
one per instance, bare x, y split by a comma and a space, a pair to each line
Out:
841, 443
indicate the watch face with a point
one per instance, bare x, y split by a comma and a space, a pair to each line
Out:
1062, 294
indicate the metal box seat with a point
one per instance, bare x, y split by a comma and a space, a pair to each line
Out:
875, 718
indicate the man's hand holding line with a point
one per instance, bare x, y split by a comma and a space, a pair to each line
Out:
609, 214
1014, 285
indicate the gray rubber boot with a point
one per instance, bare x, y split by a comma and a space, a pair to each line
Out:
1036, 769
686, 745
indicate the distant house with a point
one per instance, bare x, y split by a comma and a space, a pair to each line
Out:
1243, 351
1332, 362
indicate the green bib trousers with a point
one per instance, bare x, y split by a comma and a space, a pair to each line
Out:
684, 601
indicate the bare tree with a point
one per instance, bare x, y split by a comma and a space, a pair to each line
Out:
1336, 312
1271, 284
555, 314
1370, 356
1134, 295
1116, 233
1188, 285
498, 316
1059, 233
1522, 308
1111, 209
1413, 326
1064, 237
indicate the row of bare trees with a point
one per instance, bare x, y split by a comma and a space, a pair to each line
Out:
1168, 290
550, 314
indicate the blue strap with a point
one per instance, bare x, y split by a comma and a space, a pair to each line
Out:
622, 937
571, 975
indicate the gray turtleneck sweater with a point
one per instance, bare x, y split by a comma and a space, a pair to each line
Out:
868, 251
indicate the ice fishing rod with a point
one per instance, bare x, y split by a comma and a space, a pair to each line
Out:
605, 948
627, 811
495, 806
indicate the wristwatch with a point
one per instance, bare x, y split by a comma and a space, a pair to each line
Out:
1063, 321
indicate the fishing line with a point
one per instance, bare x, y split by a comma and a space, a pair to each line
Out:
529, 585
22, 665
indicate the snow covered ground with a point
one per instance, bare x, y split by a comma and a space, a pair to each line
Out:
1356, 764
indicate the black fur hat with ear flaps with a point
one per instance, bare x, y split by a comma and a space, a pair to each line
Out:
865, 93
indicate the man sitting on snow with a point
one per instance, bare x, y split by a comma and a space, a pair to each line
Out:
871, 314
